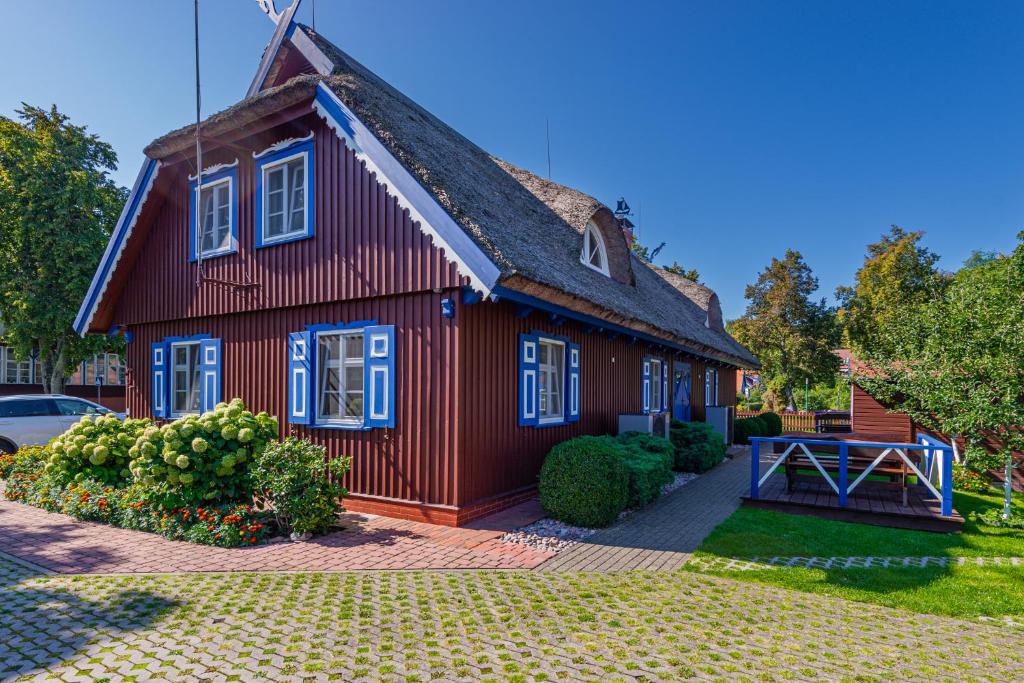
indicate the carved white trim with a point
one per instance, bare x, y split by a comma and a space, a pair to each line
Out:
270, 10
210, 170
283, 144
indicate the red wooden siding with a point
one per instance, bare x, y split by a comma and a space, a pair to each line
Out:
365, 244
497, 455
415, 461
868, 416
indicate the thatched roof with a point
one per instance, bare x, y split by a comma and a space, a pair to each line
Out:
529, 227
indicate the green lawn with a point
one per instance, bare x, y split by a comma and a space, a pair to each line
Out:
960, 591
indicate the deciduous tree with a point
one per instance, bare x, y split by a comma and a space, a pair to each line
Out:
57, 208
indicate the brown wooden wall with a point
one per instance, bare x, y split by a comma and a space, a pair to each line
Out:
500, 456
868, 416
365, 245
415, 461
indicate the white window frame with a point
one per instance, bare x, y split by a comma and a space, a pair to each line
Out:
7, 355
265, 222
346, 421
212, 186
196, 377
656, 385
591, 236
548, 368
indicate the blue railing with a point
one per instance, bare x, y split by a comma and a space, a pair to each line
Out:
938, 460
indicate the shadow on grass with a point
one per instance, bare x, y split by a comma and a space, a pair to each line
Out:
43, 624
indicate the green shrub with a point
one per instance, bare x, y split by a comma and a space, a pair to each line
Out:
584, 481
291, 479
648, 460
746, 427
698, 447
967, 479
33, 456
95, 449
773, 422
202, 459
23, 472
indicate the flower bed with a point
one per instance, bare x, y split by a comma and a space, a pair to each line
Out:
194, 479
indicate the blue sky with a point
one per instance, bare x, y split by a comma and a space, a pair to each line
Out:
734, 129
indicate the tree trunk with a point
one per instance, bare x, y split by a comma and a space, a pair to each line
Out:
53, 369
1008, 485
958, 457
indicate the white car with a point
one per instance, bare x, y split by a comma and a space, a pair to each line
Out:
34, 419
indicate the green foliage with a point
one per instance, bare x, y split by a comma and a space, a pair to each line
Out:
57, 209
792, 336
201, 460
746, 427
967, 479
994, 517
698, 447
959, 373
897, 273
96, 449
32, 456
293, 480
773, 422
648, 461
584, 481
228, 525
688, 273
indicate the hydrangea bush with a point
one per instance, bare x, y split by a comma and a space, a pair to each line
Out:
201, 459
94, 449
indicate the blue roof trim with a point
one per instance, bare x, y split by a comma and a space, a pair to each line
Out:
147, 174
422, 206
512, 295
285, 27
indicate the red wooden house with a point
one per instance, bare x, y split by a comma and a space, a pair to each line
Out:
392, 291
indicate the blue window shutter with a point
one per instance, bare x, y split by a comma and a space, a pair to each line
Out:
379, 378
529, 365
300, 378
158, 379
645, 383
664, 385
210, 374
573, 382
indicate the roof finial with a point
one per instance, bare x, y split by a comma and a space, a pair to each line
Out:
270, 10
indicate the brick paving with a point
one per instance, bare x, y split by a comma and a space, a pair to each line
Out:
65, 545
663, 535
472, 626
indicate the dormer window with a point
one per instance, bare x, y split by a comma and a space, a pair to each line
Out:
594, 255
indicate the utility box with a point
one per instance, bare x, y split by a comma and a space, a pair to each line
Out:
721, 418
649, 423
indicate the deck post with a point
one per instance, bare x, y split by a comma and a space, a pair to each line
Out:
844, 453
947, 482
755, 466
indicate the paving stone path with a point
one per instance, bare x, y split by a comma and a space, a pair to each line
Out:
472, 626
65, 545
663, 535
922, 562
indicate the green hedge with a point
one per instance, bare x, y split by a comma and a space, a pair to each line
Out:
648, 461
584, 481
773, 422
747, 427
698, 447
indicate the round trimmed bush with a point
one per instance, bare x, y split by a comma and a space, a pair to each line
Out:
773, 422
747, 427
584, 482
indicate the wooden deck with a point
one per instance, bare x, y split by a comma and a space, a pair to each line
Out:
872, 502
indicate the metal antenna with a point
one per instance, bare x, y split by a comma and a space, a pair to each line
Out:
314, 16
199, 157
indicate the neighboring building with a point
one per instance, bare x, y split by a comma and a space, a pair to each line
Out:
393, 292
26, 377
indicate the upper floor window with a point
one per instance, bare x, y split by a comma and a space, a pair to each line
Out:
217, 232
284, 192
594, 255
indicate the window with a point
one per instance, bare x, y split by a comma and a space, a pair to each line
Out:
284, 192
72, 406
594, 253
656, 377
185, 375
654, 384
27, 407
217, 233
184, 378
107, 366
550, 380
15, 371
711, 387
340, 377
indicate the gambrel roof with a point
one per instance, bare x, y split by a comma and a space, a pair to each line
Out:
511, 232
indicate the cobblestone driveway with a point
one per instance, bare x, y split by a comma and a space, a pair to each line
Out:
508, 626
